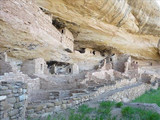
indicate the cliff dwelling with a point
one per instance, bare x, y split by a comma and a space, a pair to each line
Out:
59, 55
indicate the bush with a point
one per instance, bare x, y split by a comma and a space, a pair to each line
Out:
106, 104
127, 111
119, 104
84, 109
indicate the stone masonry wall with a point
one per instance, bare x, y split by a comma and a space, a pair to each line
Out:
41, 109
130, 94
36, 66
67, 39
13, 100
33, 84
5, 67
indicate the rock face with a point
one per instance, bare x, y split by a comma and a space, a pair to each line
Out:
130, 26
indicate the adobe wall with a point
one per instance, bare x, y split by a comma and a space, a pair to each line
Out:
5, 67
120, 63
129, 94
15, 63
3, 56
74, 69
89, 51
90, 61
43, 109
36, 66
13, 100
67, 39
33, 84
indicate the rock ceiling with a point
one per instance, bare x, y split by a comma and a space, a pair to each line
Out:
130, 26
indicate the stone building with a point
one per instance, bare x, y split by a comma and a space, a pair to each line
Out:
67, 39
35, 66
74, 69
62, 68
5, 67
3, 56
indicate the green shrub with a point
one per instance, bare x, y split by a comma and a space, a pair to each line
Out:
84, 109
106, 104
119, 104
127, 111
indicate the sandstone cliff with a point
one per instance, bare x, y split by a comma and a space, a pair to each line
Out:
130, 26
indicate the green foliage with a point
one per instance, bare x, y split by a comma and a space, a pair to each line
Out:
106, 104
152, 96
103, 112
104, 109
119, 104
84, 109
140, 114
127, 111
49, 117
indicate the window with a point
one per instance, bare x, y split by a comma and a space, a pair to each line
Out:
70, 70
94, 52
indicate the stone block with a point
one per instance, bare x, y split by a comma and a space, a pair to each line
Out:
64, 106
49, 109
39, 108
3, 88
57, 108
30, 111
50, 105
11, 100
13, 112
6, 92
18, 105
22, 97
2, 98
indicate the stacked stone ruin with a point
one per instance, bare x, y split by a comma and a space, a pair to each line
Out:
36, 93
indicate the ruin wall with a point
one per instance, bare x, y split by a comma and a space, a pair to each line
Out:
129, 94
42, 109
33, 83
13, 100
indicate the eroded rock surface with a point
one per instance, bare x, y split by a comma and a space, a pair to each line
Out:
130, 26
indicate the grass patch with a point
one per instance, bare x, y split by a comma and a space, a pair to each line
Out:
84, 109
103, 112
130, 113
119, 104
152, 96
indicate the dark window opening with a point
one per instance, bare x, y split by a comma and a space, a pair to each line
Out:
94, 52
110, 59
113, 54
59, 25
82, 50
56, 67
62, 31
70, 70
50, 63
